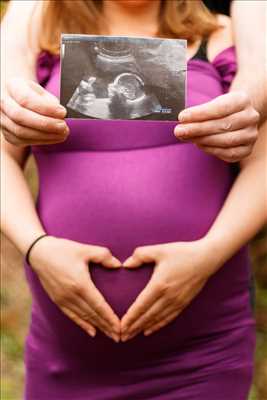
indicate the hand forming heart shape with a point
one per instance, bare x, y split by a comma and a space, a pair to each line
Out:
181, 271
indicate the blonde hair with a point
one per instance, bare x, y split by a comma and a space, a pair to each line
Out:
184, 19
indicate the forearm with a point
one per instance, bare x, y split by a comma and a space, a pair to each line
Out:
245, 209
19, 220
249, 26
19, 56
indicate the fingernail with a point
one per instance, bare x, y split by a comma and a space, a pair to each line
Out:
148, 332
116, 337
184, 115
117, 263
64, 127
127, 262
180, 130
61, 109
124, 338
61, 125
92, 332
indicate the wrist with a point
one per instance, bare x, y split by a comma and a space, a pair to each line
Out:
36, 250
254, 88
213, 247
22, 238
28, 240
28, 253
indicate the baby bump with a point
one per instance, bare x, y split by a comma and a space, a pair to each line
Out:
126, 199
53, 336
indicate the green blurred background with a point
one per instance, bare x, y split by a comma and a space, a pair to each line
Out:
16, 302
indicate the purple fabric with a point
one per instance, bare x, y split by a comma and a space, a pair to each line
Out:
124, 184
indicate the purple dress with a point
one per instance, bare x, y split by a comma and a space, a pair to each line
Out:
125, 184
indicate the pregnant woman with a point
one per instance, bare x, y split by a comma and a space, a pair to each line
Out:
140, 286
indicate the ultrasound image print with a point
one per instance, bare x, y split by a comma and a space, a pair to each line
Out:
119, 77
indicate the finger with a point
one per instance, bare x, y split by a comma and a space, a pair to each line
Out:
111, 262
31, 95
30, 119
141, 255
28, 135
177, 304
228, 140
11, 138
219, 107
152, 315
98, 303
86, 326
162, 315
86, 313
162, 323
41, 91
102, 255
232, 155
234, 122
143, 302
90, 314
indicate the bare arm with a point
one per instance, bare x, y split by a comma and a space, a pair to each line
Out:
19, 58
16, 200
19, 220
249, 19
245, 209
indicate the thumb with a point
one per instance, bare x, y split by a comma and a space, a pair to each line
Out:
111, 262
140, 256
103, 256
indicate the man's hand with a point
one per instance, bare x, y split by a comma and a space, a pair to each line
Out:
225, 127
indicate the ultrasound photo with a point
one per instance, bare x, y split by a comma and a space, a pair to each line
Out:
119, 77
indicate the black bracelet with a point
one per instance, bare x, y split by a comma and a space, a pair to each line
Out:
31, 246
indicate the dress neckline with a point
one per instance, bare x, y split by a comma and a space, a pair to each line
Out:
200, 54
215, 59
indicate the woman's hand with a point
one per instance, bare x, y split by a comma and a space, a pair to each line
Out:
181, 270
62, 267
30, 115
225, 127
